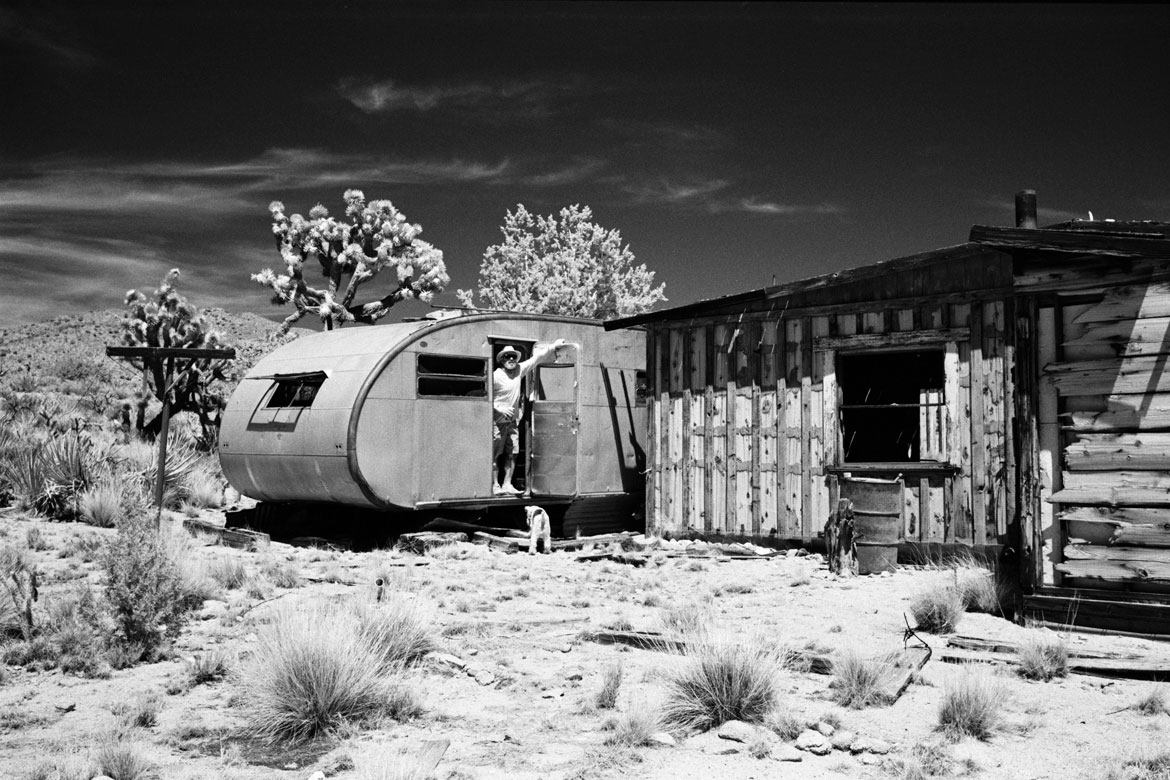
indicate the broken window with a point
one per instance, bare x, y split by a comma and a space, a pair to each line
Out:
452, 376
893, 406
295, 391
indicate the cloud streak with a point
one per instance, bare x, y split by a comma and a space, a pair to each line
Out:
712, 195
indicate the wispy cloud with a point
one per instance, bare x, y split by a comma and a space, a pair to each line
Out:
573, 173
487, 101
757, 206
44, 36
712, 195
674, 135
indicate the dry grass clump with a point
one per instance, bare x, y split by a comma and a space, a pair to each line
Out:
634, 727
938, 610
970, 704
400, 632
140, 713
208, 667
1043, 656
926, 760
1148, 763
688, 618
860, 681
719, 681
319, 665
123, 761
611, 683
229, 572
103, 503
281, 573
1153, 703
386, 762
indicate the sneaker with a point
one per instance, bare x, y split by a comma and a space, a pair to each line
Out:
510, 490
498, 491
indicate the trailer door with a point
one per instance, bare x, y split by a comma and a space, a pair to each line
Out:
552, 464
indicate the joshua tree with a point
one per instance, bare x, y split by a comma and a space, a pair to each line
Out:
372, 237
165, 319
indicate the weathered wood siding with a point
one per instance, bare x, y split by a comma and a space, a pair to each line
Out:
1109, 379
745, 419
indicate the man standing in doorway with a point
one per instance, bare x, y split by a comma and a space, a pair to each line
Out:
507, 409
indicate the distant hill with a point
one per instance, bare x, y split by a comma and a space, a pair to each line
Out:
57, 354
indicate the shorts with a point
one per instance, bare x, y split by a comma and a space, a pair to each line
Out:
505, 437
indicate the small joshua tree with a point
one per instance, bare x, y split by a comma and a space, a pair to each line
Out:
373, 236
165, 319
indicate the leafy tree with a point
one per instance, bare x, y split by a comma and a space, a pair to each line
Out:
165, 319
565, 266
372, 237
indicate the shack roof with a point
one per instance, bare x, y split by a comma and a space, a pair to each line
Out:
982, 263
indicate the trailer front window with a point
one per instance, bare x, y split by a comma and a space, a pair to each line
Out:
295, 392
452, 376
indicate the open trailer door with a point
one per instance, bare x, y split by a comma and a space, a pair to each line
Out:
552, 463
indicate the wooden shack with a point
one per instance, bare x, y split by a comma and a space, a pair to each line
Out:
1013, 384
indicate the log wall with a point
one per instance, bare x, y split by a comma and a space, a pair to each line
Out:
1110, 379
745, 420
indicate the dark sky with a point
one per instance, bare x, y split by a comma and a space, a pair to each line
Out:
729, 143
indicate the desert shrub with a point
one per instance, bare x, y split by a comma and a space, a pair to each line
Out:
718, 682
77, 368
611, 683
312, 668
1153, 703
1042, 657
398, 631
861, 681
635, 727
34, 539
970, 705
979, 589
18, 589
1149, 763
938, 610
144, 589
123, 761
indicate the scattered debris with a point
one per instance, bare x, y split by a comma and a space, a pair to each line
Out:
240, 538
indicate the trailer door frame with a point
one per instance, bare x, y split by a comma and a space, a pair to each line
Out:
555, 421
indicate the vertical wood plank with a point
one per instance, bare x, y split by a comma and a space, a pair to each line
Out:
793, 434
978, 428
710, 466
1048, 351
924, 518
905, 318
954, 422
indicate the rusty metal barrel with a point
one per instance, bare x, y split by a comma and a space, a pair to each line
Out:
877, 521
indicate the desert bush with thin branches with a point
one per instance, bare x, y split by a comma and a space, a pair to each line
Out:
719, 681
971, 704
1153, 703
399, 631
144, 588
611, 684
124, 761
688, 617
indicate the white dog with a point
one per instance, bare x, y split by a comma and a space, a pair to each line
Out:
538, 525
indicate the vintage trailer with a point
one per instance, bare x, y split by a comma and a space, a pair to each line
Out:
1013, 387
398, 418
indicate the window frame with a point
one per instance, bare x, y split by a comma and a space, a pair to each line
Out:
453, 377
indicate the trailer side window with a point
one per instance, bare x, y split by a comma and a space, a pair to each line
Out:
295, 392
452, 376
893, 406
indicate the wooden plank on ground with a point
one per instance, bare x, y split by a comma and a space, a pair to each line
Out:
239, 538
1129, 668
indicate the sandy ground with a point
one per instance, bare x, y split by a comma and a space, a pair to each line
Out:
519, 618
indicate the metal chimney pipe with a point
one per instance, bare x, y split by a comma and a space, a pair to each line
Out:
1026, 209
